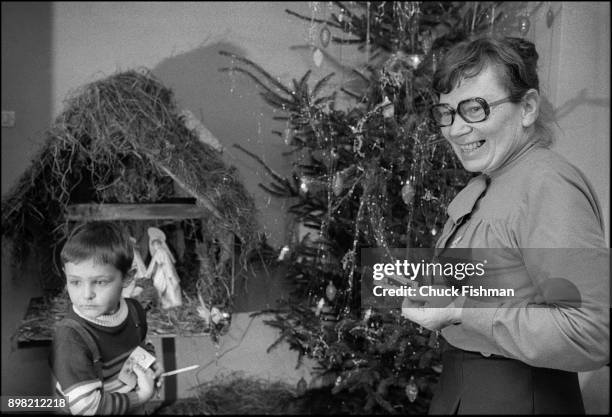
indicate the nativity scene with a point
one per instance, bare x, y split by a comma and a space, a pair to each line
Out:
122, 151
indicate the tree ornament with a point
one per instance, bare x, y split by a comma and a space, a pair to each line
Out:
427, 42
304, 185
335, 154
550, 17
408, 192
331, 291
412, 390
288, 136
388, 109
317, 57
367, 314
338, 381
434, 60
434, 231
395, 69
491, 18
429, 196
203, 311
348, 259
320, 306
433, 340
301, 387
414, 60
341, 15
524, 25
283, 253
325, 36
338, 184
215, 315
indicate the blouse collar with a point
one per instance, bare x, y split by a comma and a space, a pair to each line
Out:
465, 201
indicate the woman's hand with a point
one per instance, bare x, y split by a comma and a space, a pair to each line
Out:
432, 312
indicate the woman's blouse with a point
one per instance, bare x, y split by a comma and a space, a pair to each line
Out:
537, 223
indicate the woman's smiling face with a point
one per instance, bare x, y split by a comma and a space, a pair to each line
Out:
485, 146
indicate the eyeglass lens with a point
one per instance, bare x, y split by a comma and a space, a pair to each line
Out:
470, 110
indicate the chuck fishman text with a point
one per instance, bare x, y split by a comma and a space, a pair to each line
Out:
430, 291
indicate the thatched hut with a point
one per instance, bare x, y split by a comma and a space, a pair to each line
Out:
121, 150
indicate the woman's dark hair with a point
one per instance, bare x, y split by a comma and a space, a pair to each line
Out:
105, 242
515, 60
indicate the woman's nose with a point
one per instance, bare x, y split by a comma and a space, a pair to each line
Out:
459, 127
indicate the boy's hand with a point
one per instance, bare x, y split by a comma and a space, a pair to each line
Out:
146, 383
158, 369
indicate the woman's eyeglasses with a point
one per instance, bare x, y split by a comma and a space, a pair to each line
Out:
472, 110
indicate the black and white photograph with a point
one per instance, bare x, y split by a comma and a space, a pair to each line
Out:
305, 207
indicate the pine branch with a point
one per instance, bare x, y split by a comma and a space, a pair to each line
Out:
321, 83
290, 191
277, 101
266, 167
259, 69
324, 99
299, 16
270, 191
350, 93
344, 41
296, 150
302, 85
253, 77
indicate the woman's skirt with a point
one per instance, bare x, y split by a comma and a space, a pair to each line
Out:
474, 384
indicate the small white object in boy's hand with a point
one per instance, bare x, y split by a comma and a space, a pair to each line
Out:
179, 371
139, 356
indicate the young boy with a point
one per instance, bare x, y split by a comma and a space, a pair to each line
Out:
97, 260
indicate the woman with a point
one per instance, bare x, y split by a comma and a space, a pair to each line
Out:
515, 354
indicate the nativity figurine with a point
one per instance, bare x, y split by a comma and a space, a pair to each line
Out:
162, 271
140, 271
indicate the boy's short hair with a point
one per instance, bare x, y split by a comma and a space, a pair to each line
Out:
105, 242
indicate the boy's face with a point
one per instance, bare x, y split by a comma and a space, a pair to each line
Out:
95, 289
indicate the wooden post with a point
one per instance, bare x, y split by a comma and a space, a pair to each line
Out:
82, 212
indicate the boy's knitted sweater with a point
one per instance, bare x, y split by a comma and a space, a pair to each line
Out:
76, 378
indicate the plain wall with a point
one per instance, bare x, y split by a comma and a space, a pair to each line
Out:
26, 89
50, 49
575, 72
27, 30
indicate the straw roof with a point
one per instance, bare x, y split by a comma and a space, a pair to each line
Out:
122, 140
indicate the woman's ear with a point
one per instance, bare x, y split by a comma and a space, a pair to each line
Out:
531, 107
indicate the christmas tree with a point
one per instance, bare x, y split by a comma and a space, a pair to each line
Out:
370, 170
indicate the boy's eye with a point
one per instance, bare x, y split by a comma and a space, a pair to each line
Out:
102, 282
74, 283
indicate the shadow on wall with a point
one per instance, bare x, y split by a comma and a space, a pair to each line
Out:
230, 106
27, 75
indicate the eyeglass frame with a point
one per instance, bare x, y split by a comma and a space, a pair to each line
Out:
485, 106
